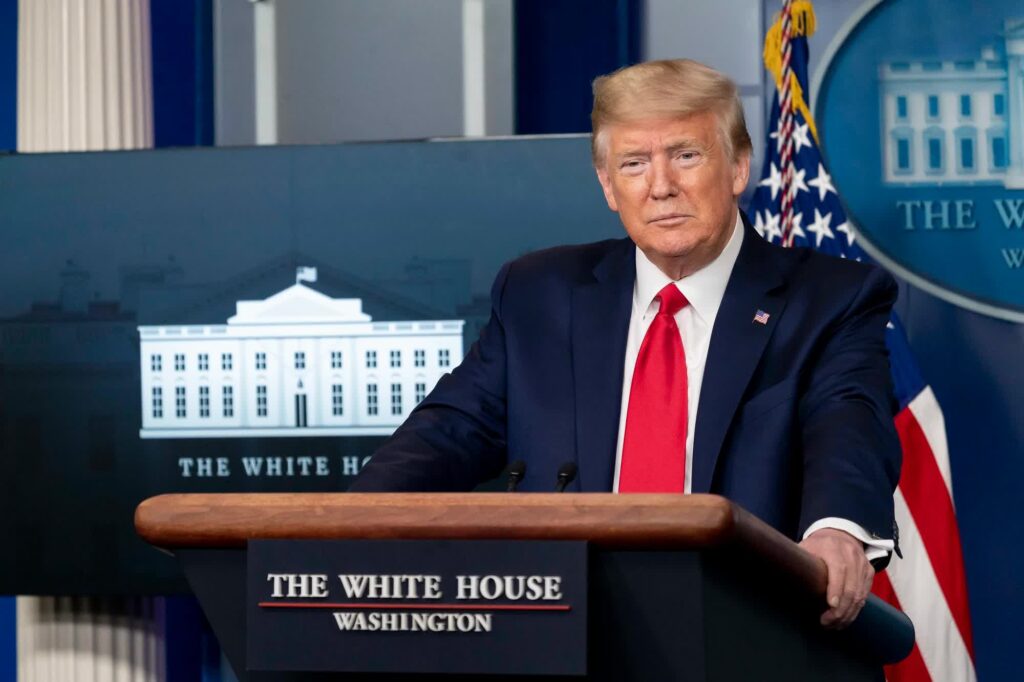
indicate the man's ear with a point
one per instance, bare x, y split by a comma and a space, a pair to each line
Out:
741, 174
606, 187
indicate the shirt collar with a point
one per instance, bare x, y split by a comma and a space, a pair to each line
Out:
704, 289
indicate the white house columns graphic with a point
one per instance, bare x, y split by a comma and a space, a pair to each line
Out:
958, 121
298, 363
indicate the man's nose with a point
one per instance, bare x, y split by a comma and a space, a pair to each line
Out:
663, 180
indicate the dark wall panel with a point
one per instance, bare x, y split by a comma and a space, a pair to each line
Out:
560, 47
8, 74
182, 49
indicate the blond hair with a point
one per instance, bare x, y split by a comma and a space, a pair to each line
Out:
671, 89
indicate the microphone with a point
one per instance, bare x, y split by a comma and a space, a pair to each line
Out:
566, 475
516, 471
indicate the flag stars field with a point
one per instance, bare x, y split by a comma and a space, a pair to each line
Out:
823, 183
821, 228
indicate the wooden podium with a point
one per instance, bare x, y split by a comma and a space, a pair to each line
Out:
680, 587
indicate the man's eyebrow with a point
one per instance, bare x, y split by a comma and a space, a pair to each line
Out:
686, 143
634, 152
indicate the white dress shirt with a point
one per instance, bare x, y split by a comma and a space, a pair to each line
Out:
704, 290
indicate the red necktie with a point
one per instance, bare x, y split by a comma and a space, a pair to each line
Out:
654, 445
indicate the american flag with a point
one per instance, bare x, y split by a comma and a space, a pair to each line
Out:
928, 583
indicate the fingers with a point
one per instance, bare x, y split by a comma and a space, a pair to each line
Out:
835, 595
849, 602
846, 602
849, 575
867, 580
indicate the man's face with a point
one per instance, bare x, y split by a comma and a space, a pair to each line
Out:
674, 188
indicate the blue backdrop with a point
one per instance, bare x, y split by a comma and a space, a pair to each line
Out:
8, 640
971, 360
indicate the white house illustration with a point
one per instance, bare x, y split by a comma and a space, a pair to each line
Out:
956, 122
296, 364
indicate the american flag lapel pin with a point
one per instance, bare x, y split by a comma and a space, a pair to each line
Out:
761, 317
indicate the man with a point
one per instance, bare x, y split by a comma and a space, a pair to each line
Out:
691, 357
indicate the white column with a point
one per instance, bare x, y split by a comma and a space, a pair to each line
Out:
84, 75
487, 73
474, 98
1015, 108
88, 639
265, 44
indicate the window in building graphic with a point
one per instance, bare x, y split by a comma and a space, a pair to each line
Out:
935, 153
227, 394
335, 359
179, 362
999, 104
903, 154
396, 399
965, 141
444, 358
179, 402
371, 359
903, 150
204, 401
158, 402
933, 144
999, 157
933, 107
419, 358
226, 361
965, 106
337, 400
261, 361
901, 107
300, 360
261, 401
156, 363
204, 362
371, 399
396, 358
421, 392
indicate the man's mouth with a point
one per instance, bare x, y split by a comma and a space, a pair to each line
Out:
669, 219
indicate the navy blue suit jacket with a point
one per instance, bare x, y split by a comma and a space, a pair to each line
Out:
795, 421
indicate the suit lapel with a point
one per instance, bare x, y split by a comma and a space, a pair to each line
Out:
737, 343
600, 324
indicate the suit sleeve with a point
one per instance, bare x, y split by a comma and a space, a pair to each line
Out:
851, 451
455, 438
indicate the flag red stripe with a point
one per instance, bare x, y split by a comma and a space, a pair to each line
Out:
930, 505
912, 668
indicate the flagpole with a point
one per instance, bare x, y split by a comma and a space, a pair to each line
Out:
786, 125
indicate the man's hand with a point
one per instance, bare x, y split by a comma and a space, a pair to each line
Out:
849, 574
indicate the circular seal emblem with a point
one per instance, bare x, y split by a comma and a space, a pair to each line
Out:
921, 116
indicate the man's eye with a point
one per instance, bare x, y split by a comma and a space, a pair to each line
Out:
689, 156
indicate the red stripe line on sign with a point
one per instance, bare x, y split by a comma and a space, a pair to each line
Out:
431, 607
912, 668
928, 500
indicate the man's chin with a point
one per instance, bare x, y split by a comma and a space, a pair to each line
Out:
671, 259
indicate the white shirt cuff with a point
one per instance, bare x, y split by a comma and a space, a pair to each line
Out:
874, 548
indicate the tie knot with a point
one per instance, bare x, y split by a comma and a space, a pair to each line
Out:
671, 300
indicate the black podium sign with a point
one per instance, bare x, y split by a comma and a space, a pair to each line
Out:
399, 606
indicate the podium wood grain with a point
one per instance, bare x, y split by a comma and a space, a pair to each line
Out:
610, 521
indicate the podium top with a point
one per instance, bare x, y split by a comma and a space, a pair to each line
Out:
635, 521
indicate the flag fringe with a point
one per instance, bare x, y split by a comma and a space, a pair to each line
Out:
803, 24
